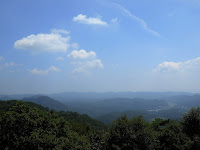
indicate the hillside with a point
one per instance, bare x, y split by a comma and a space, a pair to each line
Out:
184, 100
95, 96
73, 117
102, 107
24, 125
47, 102
6, 105
172, 113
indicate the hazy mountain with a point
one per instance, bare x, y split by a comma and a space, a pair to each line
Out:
72, 117
14, 96
93, 96
47, 102
184, 100
6, 105
100, 107
122, 104
5, 97
99, 104
172, 113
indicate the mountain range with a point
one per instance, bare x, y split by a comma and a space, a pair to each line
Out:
108, 106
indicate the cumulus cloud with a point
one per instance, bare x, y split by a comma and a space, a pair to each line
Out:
137, 19
178, 66
94, 63
1, 58
44, 72
87, 65
58, 31
75, 46
84, 61
89, 20
9, 65
56, 41
60, 58
82, 54
114, 20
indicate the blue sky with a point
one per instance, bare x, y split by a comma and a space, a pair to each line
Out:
50, 46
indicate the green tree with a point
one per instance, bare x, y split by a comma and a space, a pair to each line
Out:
191, 126
29, 128
171, 137
191, 122
133, 134
157, 124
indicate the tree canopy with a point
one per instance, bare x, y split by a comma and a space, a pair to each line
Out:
30, 126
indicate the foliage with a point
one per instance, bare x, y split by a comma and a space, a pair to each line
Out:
84, 119
6, 105
128, 134
191, 122
171, 137
25, 125
191, 126
46, 102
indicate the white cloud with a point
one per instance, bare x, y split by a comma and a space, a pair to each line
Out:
75, 46
52, 42
87, 65
94, 64
58, 31
89, 20
8, 65
53, 68
139, 20
44, 72
168, 66
11, 64
60, 58
1, 58
82, 54
178, 66
84, 61
114, 20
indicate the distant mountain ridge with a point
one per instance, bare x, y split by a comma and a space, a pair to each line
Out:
72, 117
112, 107
185, 100
47, 102
172, 113
91, 96
15, 96
101, 107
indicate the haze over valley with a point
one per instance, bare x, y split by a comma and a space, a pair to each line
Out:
109, 106
100, 75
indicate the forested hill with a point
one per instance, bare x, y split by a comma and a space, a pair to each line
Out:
173, 113
73, 117
101, 107
47, 102
25, 125
6, 105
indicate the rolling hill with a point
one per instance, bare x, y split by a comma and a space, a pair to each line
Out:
47, 102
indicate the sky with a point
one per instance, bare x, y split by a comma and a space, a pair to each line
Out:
52, 46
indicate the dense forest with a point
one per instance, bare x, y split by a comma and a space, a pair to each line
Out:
26, 125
